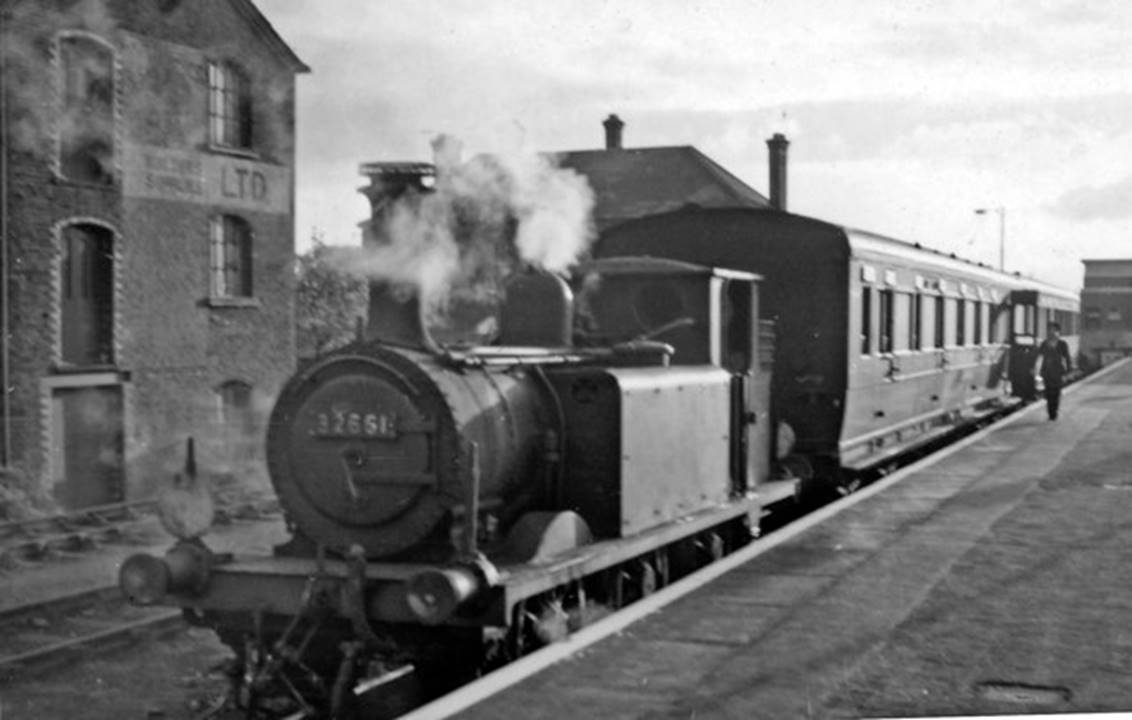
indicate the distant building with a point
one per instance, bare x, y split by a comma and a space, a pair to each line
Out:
1106, 308
147, 239
630, 183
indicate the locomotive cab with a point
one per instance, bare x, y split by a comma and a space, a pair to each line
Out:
709, 316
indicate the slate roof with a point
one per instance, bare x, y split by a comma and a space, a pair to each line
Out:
634, 182
266, 31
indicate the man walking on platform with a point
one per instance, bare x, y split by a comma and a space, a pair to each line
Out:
1053, 364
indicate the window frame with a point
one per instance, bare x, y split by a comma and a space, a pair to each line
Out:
866, 318
960, 306
230, 108
939, 342
886, 326
70, 141
915, 321
231, 273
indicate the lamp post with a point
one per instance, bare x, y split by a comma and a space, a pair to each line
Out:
1001, 211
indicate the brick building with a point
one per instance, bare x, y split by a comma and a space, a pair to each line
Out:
146, 211
1106, 310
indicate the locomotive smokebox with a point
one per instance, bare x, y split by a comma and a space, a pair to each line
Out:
369, 446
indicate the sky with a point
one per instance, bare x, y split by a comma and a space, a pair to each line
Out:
904, 117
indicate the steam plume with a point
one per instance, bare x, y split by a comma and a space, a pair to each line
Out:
484, 218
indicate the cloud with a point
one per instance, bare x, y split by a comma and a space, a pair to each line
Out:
1106, 202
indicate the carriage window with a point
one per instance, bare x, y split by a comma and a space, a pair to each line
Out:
977, 313
960, 322
886, 321
939, 322
994, 313
866, 320
915, 322
901, 324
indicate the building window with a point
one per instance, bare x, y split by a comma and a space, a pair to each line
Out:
229, 107
238, 430
886, 321
86, 281
866, 320
231, 257
236, 405
86, 118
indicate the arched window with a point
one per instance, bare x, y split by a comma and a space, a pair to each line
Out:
229, 106
86, 113
87, 295
235, 404
231, 257
238, 429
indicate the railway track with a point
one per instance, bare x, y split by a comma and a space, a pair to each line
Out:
63, 630
37, 538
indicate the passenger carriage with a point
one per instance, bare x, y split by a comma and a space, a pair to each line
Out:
881, 345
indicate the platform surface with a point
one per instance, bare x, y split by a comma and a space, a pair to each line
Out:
997, 580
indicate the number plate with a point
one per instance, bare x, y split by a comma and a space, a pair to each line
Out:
350, 425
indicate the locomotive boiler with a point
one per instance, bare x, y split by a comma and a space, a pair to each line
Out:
453, 507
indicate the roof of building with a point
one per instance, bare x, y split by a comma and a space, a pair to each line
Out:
261, 24
634, 182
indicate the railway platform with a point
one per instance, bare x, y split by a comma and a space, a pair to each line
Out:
993, 578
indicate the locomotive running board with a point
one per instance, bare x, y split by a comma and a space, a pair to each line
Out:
519, 583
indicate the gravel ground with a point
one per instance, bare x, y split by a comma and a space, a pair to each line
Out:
162, 680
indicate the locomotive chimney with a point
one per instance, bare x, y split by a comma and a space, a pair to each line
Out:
447, 152
396, 317
613, 126
777, 150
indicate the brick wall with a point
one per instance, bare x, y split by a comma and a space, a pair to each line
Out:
174, 345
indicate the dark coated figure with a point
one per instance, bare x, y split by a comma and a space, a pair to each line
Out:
1053, 364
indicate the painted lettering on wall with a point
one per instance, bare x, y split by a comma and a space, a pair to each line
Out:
241, 183
173, 177
207, 178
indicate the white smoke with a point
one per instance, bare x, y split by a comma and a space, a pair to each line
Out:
484, 219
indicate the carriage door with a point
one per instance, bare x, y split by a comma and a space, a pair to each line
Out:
87, 446
738, 357
86, 287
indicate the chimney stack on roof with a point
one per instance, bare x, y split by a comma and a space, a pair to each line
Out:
613, 126
777, 146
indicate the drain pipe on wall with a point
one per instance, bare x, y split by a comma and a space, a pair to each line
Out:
5, 271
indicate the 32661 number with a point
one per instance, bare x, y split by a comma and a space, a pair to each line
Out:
345, 424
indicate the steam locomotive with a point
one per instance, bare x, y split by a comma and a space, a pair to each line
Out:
452, 508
